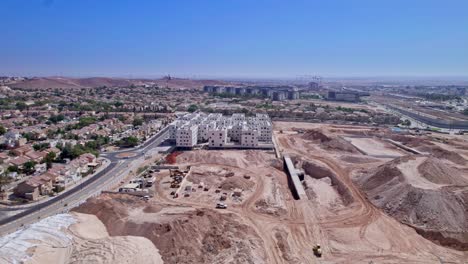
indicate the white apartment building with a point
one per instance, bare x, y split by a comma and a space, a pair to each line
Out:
186, 136
220, 131
218, 138
249, 138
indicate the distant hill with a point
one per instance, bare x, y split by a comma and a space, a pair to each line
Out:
93, 82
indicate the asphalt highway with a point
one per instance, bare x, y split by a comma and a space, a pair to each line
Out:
108, 176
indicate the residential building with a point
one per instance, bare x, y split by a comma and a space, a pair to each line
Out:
222, 132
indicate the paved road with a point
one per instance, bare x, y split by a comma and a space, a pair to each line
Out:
102, 180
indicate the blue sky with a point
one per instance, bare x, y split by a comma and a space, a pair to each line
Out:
234, 38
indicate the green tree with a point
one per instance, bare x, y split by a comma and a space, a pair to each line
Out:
13, 168
137, 121
41, 146
192, 108
128, 142
66, 152
56, 118
118, 104
21, 106
49, 159
2, 130
406, 123
28, 167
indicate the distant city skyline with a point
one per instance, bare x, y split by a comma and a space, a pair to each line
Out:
235, 39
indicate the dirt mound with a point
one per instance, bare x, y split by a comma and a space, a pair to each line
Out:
265, 207
220, 176
205, 156
358, 159
236, 182
319, 171
316, 135
441, 153
153, 208
327, 142
441, 211
438, 172
194, 236
92, 244
281, 238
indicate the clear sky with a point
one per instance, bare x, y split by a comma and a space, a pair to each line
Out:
234, 38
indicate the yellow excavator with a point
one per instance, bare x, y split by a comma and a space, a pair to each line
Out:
317, 250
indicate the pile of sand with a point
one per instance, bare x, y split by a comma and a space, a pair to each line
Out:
441, 153
316, 135
75, 238
236, 182
92, 244
182, 236
418, 192
329, 142
436, 171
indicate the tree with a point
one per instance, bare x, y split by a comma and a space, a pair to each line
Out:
465, 112
49, 158
56, 118
41, 146
28, 167
66, 152
192, 108
128, 142
406, 123
21, 106
13, 168
137, 121
86, 121
2, 130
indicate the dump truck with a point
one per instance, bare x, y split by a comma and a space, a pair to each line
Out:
317, 250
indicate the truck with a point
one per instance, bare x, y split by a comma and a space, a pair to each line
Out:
317, 250
221, 206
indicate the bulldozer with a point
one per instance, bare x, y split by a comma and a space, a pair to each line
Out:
317, 250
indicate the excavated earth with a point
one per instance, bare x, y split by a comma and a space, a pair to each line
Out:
426, 193
182, 234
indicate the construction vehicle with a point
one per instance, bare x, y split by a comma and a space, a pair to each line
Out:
317, 250
221, 206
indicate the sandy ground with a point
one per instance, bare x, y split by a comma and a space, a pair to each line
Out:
75, 238
375, 147
92, 244
357, 232
263, 222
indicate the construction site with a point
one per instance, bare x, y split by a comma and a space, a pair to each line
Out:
325, 194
